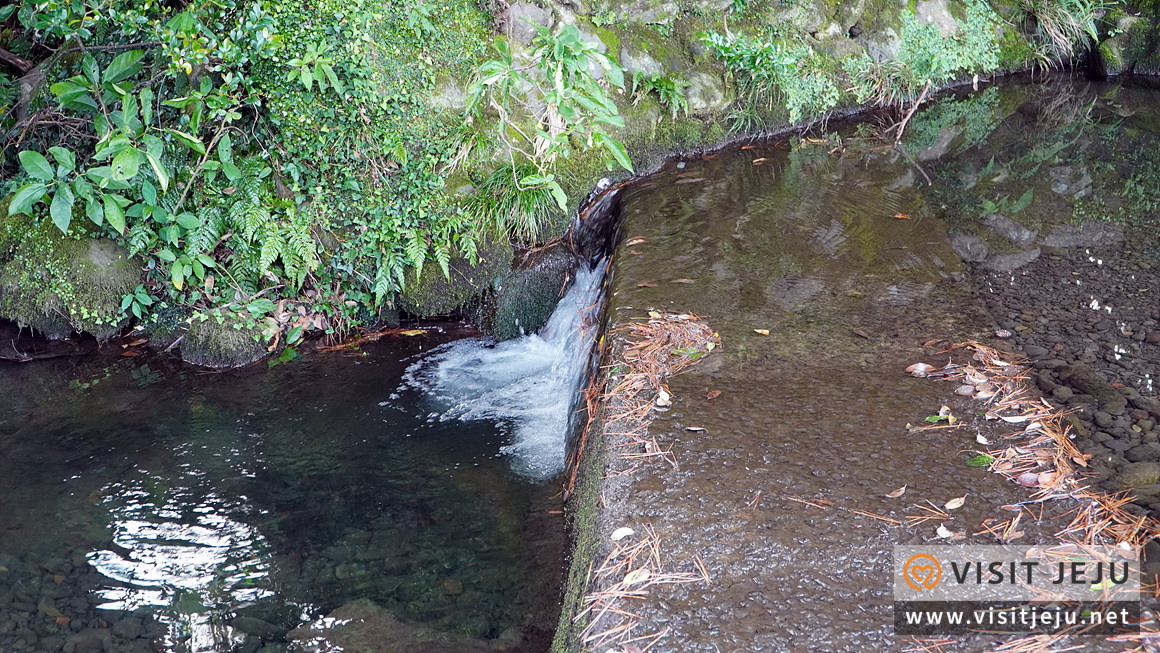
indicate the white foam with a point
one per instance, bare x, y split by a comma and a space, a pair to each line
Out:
529, 383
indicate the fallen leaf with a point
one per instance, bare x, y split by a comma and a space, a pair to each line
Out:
1046, 479
131, 353
944, 411
632, 242
897, 493
48, 609
637, 576
957, 502
138, 342
981, 439
695, 429
749, 147
621, 533
684, 281
764, 332
633, 251
646, 284
1028, 479
713, 394
760, 161
62, 620
655, 315
860, 332
919, 369
944, 532
412, 332
664, 398
209, 281
965, 390
902, 216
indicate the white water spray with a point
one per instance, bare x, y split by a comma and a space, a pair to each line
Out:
529, 383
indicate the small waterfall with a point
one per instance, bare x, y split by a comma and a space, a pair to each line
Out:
530, 384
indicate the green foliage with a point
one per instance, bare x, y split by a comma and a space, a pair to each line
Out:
576, 106
669, 92
770, 70
504, 207
925, 57
1062, 24
313, 66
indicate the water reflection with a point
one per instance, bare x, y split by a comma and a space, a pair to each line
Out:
182, 553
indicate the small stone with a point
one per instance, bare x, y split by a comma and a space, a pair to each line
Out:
1153, 337
1062, 393
1139, 473
129, 628
452, 587
1136, 413
1034, 351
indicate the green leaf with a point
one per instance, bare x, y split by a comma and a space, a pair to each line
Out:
82, 188
188, 220
231, 171
65, 159
36, 165
72, 94
124, 65
260, 306
1023, 201
558, 194
26, 197
149, 192
207, 260
159, 170
934, 419
294, 335
61, 208
177, 276
225, 149
198, 269
95, 212
89, 66
147, 106
982, 460
126, 164
616, 149
113, 213
6, 12
187, 140
166, 255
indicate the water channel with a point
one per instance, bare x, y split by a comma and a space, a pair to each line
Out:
412, 488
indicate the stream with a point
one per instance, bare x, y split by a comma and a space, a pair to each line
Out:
406, 495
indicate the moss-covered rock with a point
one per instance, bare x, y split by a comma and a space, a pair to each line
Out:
221, 340
526, 298
432, 293
57, 284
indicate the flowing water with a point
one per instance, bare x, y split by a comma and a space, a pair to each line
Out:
529, 384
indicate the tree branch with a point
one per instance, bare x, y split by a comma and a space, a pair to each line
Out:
20, 64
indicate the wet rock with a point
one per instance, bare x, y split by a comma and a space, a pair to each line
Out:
1034, 351
129, 628
1149, 451
1062, 393
220, 344
72, 285
1013, 231
452, 587
520, 18
1089, 234
526, 298
1068, 182
1089, 381
706, 94
89, 640
1005, 262
257, 627
363, 626
432, 293
1138, 474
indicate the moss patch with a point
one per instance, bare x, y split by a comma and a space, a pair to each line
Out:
221, 341
432, 293
56, 283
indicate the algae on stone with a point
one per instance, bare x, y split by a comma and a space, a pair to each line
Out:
221, 340
57, 284
432, 293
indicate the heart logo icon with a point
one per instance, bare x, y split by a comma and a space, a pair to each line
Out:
922, 572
